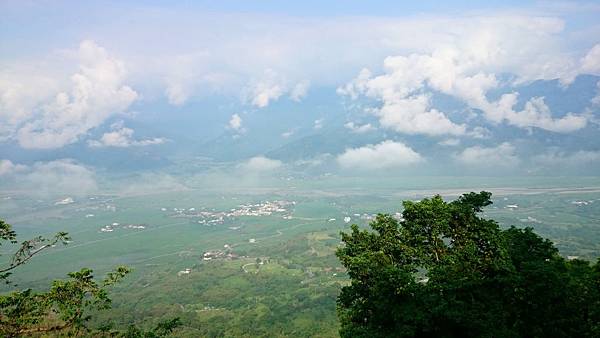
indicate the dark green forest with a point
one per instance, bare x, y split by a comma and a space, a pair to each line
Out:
444, 271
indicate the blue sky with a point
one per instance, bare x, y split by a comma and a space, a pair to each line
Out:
47, 23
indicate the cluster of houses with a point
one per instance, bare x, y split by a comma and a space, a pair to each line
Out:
65, 201
184, 272
112, 227
213, 217
219, 254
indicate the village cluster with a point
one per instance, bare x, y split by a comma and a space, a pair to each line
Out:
114, 226
213, 217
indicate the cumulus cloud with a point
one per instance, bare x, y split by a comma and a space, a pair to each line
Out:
270, 86
535, 114
359, 129
22, 89
402, 109
385, 155
413, 115
590, 63
501, 156
7, 167
300, 90
122, 137
265, 90
260, 164
456, 55
265, 93
467, 71
235, 123
96, 92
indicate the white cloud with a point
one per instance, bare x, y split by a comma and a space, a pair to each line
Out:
357, 86
466, 69
501, 156
122, 137
590, 63
385, 155
574, 159
413, 115
235, 122
190, 73
96, 92
325, 51
535, 114
459, 55
177, 93
403, 108
269, 88
300, 90
7, 167
181, 77
260, 164
451, 142
58, 178
359, 129
62, 177
22, 89
264, 93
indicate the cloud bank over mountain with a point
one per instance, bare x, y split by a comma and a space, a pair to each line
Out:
515, 85
96, 91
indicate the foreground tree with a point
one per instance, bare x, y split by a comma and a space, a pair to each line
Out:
63, 310
444, 271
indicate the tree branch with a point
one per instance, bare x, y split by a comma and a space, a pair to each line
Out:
24, 254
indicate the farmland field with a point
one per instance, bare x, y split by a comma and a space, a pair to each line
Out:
257, 265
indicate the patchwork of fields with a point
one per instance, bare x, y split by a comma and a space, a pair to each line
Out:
263, 273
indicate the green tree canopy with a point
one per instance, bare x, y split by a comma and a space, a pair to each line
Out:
63, 310
444, 271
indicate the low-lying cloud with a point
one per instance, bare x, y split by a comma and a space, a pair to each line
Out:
260, 164
54, 178
122, 137
502, 155
385, 155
